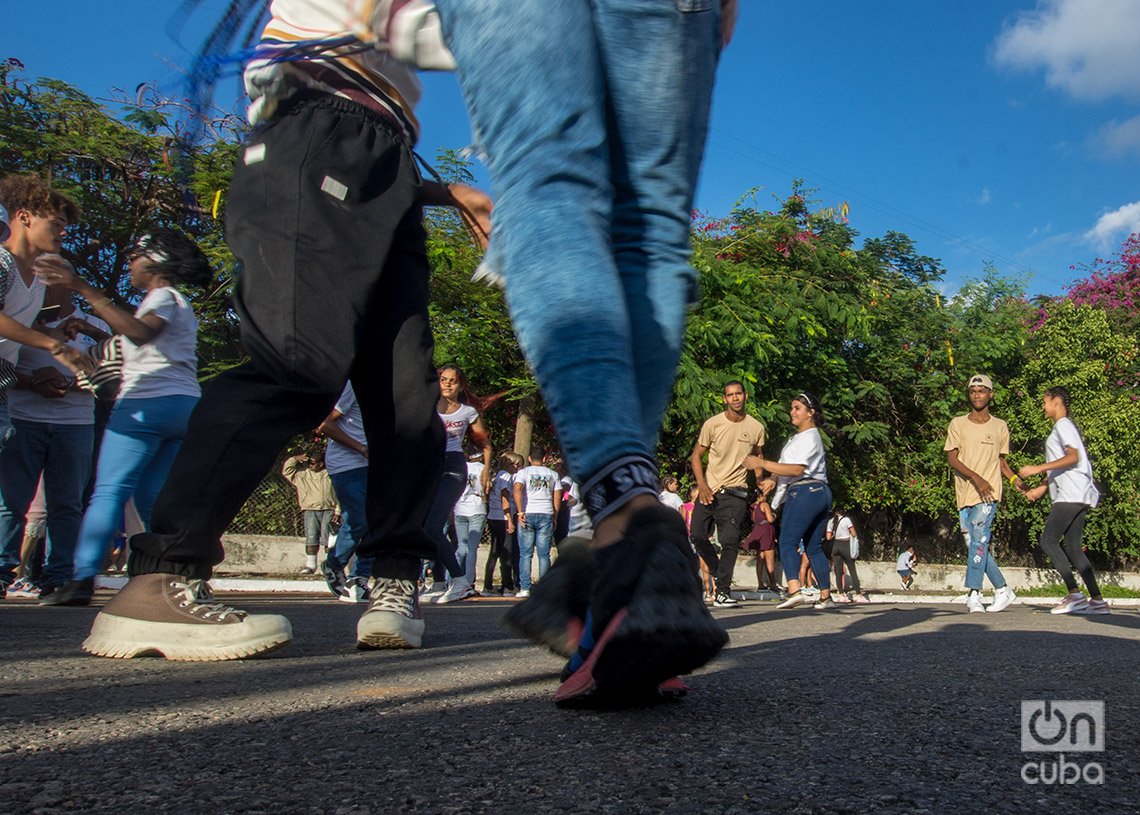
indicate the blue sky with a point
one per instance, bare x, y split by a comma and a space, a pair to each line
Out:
989, 132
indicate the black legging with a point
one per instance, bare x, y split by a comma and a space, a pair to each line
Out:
503, 551
841, 556
1061, 541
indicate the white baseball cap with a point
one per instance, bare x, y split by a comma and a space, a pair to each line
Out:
5, 231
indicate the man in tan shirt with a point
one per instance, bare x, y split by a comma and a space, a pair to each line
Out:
976, 446
728, 438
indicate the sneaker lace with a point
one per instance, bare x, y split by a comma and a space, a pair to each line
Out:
390, 594
199, 599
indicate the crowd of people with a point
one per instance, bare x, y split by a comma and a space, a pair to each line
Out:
588, 162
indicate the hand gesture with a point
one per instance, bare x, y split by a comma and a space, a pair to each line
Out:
55, 271
49, 383
474, 208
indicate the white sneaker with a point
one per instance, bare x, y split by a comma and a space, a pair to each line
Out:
974, 602
793, 601
1095, 607
459, 589
523, 593
1074, 603
810, 593
437, 588
357, 591
393, 619
1002, 598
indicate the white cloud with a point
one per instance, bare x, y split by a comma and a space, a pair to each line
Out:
1118, 139
1112, 226
1088, 48
985, 197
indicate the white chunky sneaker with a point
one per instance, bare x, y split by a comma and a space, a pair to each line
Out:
393, 618
179, 619
1074, 603
1002, 598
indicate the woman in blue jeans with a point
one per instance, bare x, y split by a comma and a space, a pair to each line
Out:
801, 488
158, 392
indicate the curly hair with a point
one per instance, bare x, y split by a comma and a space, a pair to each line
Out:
32, 194
175, 256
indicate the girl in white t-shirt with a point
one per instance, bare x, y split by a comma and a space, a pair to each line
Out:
1069, 482
158, 392
800, 481
458, 410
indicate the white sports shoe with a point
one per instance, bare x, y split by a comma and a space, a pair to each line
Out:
974, 602
1074, 603
1002, 598
459, 589
356, 591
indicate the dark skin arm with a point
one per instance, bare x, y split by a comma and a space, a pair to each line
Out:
332, 430
704, 494
520, 501
980, 484
474, 206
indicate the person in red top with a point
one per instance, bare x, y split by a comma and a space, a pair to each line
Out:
762, 538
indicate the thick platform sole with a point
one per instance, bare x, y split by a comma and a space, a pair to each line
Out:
381, 630
126, 638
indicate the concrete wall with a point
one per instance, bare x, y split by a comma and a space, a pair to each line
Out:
260, 554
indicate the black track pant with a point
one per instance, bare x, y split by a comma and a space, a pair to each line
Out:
1061, 541
323, 216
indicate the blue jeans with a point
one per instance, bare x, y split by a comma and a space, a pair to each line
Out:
5, 425
62, 452
469, 531
593, 116
351, 488
807, 506
537, 534
450, 487
317, 526
976, 522
142, 438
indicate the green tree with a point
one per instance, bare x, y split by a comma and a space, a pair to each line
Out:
128, 178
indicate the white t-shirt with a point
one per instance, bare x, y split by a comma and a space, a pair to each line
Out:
456, 425
76, 407
503, 480
806, 447
168, 364
1072, 484
472, 501
340, 458
20, 302
579, 517
841, 529
670, 499
906, 561
539, 484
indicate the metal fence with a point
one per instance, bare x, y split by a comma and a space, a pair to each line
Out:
272, 509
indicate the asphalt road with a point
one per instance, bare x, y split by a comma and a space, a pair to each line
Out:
874, 708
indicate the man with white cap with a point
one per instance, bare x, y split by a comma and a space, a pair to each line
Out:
976, 446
